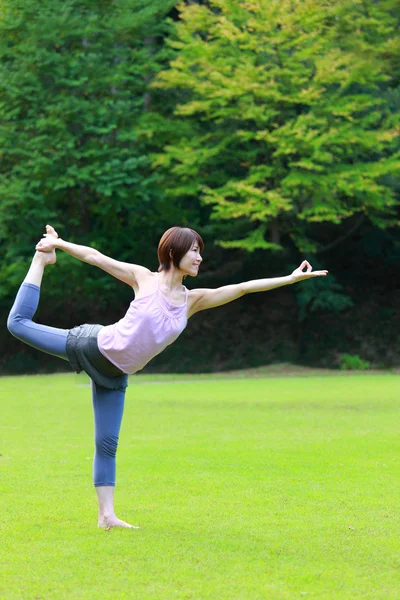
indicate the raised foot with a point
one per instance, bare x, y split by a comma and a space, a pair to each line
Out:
47, 253
108, 522
51, 231
46, 258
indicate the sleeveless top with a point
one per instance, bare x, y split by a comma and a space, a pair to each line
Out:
150, 325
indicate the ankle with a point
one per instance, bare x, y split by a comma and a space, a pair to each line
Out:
106, 514
39, 258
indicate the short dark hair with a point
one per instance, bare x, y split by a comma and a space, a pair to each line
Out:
176, 241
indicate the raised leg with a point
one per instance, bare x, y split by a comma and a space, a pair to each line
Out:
108, 408
47, 339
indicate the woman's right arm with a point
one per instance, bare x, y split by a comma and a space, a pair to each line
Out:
126, 272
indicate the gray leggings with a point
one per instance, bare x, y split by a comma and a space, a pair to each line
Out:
108, 405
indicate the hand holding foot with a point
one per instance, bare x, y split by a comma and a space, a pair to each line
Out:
47, 244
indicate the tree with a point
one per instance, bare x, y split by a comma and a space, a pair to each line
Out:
282, 120
73, 106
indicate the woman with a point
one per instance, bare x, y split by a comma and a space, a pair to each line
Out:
155, 318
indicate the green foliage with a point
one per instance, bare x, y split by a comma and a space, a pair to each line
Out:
352, 362
280, 116
281, 119
321, 295
73, 99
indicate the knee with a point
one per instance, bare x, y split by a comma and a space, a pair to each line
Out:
106, 445
13, 324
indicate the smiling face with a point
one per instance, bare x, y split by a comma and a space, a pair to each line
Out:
180, 248
190, 262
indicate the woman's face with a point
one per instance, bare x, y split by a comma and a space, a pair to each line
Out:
190, 262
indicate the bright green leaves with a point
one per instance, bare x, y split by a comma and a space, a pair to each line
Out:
288, 122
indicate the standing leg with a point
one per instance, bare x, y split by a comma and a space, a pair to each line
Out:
47, 339
108, 407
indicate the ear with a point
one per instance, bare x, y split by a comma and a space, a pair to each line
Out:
171, 253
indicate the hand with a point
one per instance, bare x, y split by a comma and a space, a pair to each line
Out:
48, 242
299, 274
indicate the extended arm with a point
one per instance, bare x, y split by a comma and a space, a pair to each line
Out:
208, 298
126, 272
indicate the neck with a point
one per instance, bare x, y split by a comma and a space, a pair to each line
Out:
171, 279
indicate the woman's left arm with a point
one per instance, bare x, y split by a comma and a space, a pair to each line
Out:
208, 298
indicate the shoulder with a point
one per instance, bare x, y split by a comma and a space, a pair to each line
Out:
194, 298
142, 272
146, 280
194, 295
204, 298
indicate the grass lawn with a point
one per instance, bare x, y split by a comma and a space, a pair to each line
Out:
252, 486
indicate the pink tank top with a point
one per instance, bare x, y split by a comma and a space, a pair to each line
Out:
151, 324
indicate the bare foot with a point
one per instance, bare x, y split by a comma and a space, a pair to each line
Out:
48, 257
51, 231
45, 258
108, 522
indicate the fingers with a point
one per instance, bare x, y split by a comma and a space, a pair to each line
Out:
44, 245
305, 265
301, 274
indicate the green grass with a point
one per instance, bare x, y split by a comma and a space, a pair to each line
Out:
266, 487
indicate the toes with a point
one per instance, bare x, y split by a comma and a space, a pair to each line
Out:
51, 231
